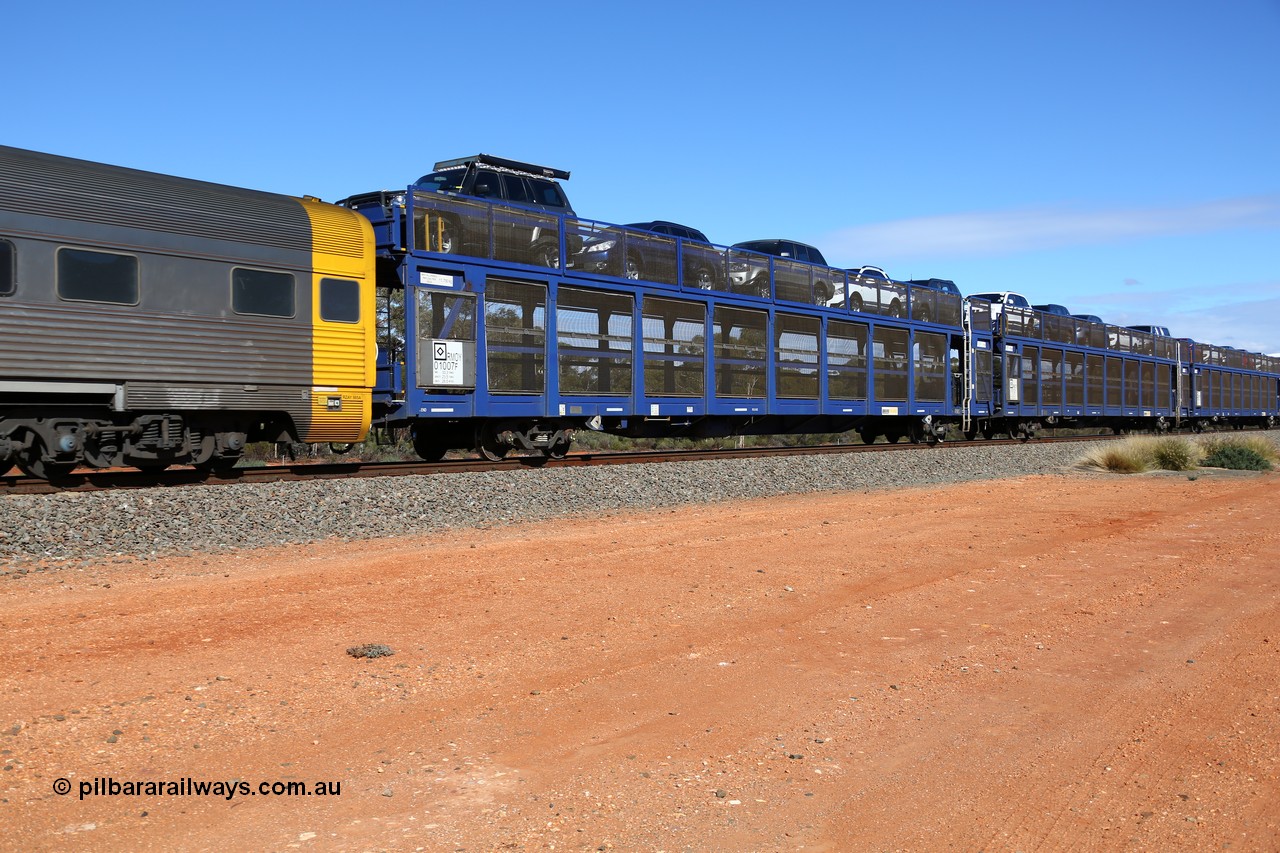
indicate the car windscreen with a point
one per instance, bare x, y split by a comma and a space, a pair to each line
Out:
443, 182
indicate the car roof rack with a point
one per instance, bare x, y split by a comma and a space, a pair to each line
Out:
502, 163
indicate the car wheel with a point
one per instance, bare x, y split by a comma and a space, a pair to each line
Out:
490, 447
821, 293
546, 253
895, 309
924, 314
704, 278
855, 302
444, 237
631, 268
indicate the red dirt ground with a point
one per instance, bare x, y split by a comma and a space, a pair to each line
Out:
1077, 662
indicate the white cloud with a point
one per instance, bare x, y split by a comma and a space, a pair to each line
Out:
1238, 314
994, 233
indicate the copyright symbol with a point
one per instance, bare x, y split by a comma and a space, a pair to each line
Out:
62, 787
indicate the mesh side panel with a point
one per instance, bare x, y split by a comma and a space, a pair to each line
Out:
741, 344
1075, 378
1031, 376
792, 280
1021, 322
930, 354
847, 360
891, 299
890, 358
795, 342
515, 315
1059, 329
748, 273
525, 236
1115, 382
455, 226
593, 336
675, 350
1094, 379
624, 252
1051, 376
1132, 383
980, 315
480, 229
924, 303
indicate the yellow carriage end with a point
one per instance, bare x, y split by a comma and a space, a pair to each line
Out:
343, 323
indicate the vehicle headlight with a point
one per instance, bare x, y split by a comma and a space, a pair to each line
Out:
602, 246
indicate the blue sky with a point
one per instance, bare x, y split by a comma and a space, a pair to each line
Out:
1121, 158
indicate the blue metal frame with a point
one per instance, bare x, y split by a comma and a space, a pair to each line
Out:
455, 273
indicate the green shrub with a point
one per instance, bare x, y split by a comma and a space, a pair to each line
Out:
1237, 457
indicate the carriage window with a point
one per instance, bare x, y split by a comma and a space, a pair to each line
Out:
8, 273
269, 294
89, 276
339, 300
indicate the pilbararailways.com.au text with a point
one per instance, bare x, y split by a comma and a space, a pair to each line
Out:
108, 786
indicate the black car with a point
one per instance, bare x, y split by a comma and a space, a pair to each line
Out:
801, 274
945, 285
615, 252
935, 300
523, 232
1051, 308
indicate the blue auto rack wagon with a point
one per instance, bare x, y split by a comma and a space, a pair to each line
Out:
539, 323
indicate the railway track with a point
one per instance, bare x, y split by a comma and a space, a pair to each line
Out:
90, 481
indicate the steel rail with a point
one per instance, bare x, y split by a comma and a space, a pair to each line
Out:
90, 481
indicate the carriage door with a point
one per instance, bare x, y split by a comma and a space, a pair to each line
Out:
446, 351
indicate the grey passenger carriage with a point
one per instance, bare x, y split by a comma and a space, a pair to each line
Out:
149, 320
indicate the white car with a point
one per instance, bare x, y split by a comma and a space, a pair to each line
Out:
1001, 299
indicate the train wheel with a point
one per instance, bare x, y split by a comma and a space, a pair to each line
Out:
868, 436
971, 434
558, 449
5, 469
988, 432
429, 448
33, 464
489, 446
